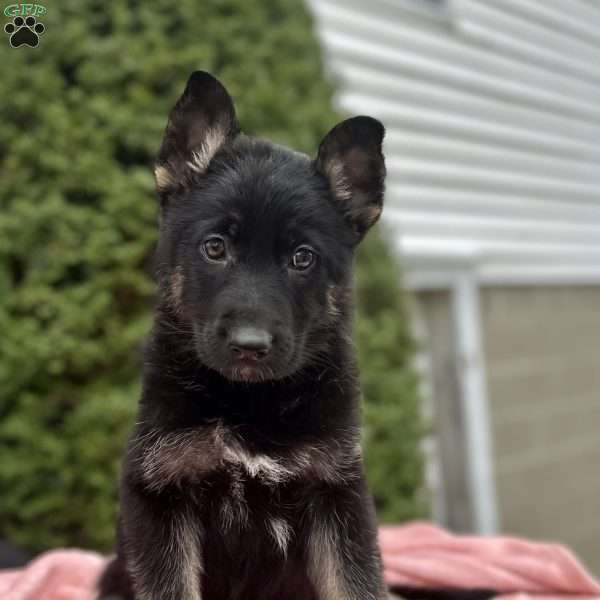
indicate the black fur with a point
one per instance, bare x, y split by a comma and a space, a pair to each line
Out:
243, 477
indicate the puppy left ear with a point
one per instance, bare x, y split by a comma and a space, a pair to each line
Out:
200, 123
351, 159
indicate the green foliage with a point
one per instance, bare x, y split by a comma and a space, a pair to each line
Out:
82, 116
393, 424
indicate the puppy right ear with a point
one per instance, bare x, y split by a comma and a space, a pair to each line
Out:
351, 159
201, 122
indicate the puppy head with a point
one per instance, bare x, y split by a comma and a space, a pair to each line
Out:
256, 240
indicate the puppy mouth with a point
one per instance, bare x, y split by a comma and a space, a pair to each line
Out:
248, 372
242, 370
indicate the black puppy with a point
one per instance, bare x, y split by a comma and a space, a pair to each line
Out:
243, 479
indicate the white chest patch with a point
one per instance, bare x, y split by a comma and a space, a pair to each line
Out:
234, 508
260, 466
281, 532
189, 455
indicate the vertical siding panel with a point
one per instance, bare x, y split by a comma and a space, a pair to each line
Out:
514, 85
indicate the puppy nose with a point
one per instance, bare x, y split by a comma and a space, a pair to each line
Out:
249, 343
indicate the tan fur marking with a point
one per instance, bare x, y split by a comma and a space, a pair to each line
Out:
281, 532
163, 177
234, 508
360, 208
190, 564
202, 156
181, 567
324, 568
180, 456
176, 289
333, 310
338, 181
371, 214
256, 465
189, 455
331, 567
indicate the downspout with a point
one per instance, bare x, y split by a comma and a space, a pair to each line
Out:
470, 367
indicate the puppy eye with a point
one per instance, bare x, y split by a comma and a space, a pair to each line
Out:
214, 248
303, 258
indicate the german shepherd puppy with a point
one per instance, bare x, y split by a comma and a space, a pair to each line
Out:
243, 479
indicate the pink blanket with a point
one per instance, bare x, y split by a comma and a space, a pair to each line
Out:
54, 575
423, 555
416, 555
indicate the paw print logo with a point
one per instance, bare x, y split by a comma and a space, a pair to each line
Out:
24, 32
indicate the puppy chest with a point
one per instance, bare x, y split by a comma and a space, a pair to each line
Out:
190, 456
254, 543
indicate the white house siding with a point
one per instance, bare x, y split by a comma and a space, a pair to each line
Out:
492, 111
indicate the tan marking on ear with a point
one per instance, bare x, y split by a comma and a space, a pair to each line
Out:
202, 155
163, 177
338, 181
371, 214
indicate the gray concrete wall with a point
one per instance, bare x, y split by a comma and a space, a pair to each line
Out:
542, 350
542, 347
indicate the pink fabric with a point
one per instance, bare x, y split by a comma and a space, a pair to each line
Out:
417, 554
423, 555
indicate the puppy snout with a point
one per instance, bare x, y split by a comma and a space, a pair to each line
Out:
249, 343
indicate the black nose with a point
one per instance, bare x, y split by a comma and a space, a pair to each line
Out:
249, 343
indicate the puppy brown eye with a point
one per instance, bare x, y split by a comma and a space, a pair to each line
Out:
214, 248
303, 258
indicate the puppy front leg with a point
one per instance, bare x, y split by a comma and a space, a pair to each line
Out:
162, 547
343, 556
